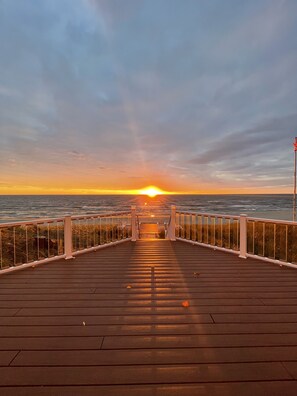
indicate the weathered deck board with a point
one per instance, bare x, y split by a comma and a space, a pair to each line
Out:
156, 356
74, 328
259, 388
142, 374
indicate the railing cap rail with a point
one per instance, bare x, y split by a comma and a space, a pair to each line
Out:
153, 214
225, 216
91, 216
59, 219
262, 220
31, 222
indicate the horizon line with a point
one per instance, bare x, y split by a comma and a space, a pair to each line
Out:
140, 194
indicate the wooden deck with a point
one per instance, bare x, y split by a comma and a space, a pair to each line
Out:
112, 323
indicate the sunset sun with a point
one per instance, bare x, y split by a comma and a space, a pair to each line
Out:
151, 191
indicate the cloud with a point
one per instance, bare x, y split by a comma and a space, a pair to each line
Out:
183, 92
263, 139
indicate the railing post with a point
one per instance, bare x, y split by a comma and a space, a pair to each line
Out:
68, 238
243, 236
133, 224
171, 229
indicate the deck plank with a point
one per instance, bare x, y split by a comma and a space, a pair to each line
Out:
156, 356
258, 388
142, 374
33, 327
7, 356
217, 311
194, 341
49, 343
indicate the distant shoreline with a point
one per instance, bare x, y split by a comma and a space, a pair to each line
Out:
285, 215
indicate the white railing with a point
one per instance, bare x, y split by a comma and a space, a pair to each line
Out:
31, 241
270, 240
28, 242
221, 231
41, 240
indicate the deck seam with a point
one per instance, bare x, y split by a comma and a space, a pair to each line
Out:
101, 344
153, 384
17, 353
212, 318
287, 370
18, 310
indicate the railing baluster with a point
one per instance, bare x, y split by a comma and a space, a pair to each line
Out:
100, 231
177, 226
253, 237
1, 250
26, 239
87, 228
48, 240
68, 237
14, 247
180, 234
133, 224
274, 239
229, 236
95, 240
37, 239
58, 238
193, 227
264, 239
243, 236
112, 228
286, 259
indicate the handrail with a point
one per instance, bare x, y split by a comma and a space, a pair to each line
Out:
92, 216
260, 219
55, 219
153, 214
31, 222
219, 215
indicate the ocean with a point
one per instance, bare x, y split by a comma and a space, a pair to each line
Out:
25, 207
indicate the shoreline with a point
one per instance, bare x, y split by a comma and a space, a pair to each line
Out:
285, 214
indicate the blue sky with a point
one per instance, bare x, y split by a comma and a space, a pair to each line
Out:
188, 95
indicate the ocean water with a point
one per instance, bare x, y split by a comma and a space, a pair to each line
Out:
24, 207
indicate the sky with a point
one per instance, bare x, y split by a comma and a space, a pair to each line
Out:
107, 96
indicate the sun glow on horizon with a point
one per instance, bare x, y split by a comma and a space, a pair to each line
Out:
151, 191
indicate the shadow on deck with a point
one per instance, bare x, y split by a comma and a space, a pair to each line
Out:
112, 323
